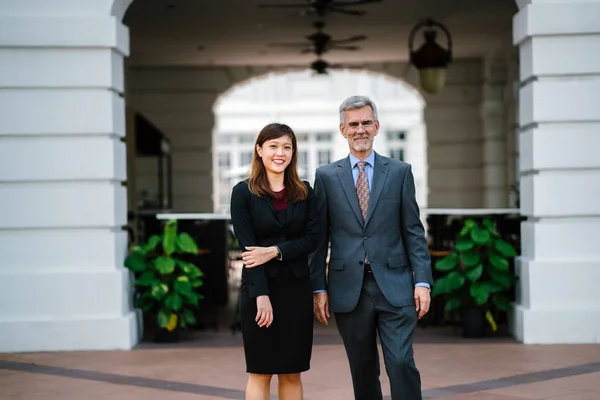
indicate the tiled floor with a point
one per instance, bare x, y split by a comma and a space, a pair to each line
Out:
212, 367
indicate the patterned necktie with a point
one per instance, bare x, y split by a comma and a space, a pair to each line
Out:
362, 189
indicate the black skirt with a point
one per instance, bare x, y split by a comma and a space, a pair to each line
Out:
285, 347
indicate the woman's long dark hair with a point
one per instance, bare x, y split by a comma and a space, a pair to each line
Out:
295, 190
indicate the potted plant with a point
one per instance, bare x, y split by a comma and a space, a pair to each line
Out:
165, 282
477, 278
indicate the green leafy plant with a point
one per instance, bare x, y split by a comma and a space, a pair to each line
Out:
165, 282
477, 273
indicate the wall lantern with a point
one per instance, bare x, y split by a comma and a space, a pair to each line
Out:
430, 59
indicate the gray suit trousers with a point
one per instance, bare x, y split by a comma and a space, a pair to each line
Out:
395, 327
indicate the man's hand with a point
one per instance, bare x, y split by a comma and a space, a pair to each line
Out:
255, 256
321, 307
264, 315
422, 300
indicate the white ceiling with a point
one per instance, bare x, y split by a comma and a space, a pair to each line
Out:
237, 32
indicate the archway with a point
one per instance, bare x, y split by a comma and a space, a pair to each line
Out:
455, 120
309, 103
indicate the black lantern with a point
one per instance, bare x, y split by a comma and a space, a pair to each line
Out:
431, 59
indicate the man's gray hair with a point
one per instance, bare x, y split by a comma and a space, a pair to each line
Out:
356, 102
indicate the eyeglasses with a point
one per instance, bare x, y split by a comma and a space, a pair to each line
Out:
353, 126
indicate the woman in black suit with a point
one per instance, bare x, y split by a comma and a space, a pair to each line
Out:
274, 215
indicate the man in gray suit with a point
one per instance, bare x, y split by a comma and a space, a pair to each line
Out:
379, 275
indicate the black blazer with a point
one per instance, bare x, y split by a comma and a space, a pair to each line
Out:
256, 223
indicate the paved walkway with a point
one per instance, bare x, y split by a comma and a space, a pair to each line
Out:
211, 366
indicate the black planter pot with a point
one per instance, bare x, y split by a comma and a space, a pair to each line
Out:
473, 323
164, 336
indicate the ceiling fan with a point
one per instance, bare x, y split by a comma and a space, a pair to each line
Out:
322, 7
320, 42
321, 67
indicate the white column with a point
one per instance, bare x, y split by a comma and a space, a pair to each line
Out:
493, 118
559, 118
62, 164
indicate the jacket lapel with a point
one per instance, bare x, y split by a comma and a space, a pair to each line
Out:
269, 201
344, 172
289, 213
380, 173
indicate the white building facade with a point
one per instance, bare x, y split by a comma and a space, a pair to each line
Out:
309, 104
63, 163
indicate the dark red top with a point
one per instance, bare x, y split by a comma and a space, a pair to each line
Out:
280, 202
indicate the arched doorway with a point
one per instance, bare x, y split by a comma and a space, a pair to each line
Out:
309, 103
186, 83
180, 101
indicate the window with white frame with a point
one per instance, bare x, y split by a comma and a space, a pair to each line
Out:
303, 164
396, 136
396, 140
315, 149
224, 159
247, 139
397, 154
235, 152
224, 139
246, 158
324, 157
323, 136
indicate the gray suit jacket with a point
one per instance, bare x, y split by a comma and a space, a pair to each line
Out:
392, 235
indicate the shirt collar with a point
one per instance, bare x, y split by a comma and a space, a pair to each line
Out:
369, 160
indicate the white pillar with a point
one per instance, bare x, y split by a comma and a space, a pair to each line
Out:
493, 118
62, 164
559, 118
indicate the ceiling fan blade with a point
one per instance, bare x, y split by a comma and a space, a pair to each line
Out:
289, 44
306, 51
356, 38
348, 12
349, 48
283, 6
354, 3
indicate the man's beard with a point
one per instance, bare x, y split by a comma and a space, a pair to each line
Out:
362, 145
